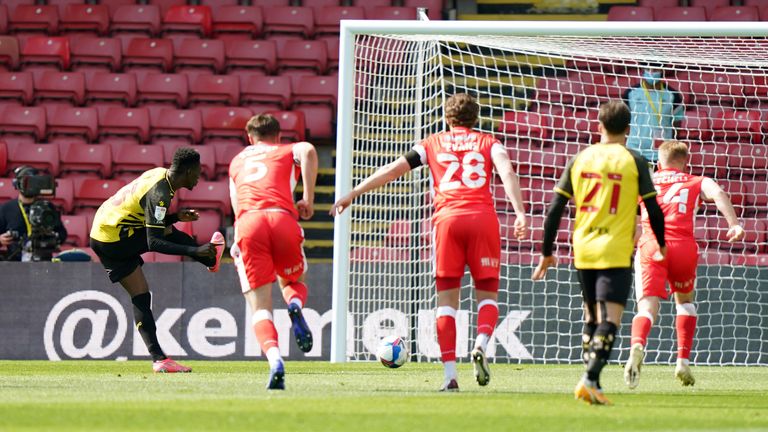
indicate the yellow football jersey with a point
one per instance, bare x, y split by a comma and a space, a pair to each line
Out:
604, 180
141, 203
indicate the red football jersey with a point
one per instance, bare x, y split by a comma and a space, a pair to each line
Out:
462, 169
679, 196
264, 176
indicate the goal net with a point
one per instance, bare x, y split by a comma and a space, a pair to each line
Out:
539, 94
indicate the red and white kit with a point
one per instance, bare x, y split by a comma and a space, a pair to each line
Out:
466, 228
268, 237
679, 195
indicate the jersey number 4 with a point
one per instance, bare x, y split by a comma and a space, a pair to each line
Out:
615, 192
677, 194
472, 171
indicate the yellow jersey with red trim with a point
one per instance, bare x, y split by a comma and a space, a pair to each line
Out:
604, 181
141, 203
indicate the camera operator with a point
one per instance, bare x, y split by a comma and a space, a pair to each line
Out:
30, 227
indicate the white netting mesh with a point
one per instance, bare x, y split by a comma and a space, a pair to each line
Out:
540, 95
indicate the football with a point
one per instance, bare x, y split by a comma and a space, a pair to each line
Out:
392, 352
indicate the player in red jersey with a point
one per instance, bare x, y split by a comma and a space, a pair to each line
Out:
268, 238
466, 228
679, 195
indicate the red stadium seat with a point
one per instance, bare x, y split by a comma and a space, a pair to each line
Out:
538, 162
224, 156
85, 158
171, 123
271, 3
34, 18
292, 125
16, 86
215, 4
3, 19
69, 121
60, 87
164, 88
327, 19
681, 14
333, 53
199, 53
209, 222
7, 191
64, 197
735, 13
131, 158
101, 53
569, 125
609, 86
207, 195
320, 4
166, 5
251, 56
245, 21
225, 124
747, 160
149, 53
133, 122
391, 13
62, 4
109, 87
85, 18
9, 52
316, 98
539, 192
560, 91
708, 160
265, 93
695, 126
715, 88
133, 18
370, 4
293, 20
43, 156
77, 230
214, 89
188, 19
630, 13
434, 7
49, 51
738, 126
525, 124
303, 54
114, 5
3, 157
709, 5
23, 120
658, 4
93, 192
760, 260
756, 196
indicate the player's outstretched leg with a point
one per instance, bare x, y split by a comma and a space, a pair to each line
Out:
487, 316
266, 334
588, 388
218, 241
295, 294
446, 338
632, 368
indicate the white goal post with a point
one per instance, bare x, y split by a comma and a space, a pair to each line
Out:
539, 85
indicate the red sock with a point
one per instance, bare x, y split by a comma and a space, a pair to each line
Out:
487, 316
265, 332
686, 327
446, 333
641, 326
295, 290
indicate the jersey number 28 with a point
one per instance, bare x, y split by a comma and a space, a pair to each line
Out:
472, 165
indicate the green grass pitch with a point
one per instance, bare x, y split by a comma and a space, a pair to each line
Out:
117, 396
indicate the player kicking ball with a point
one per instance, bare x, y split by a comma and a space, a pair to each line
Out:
268, 237
679, 196
135, 221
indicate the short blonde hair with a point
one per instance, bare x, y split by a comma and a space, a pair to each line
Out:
673, 151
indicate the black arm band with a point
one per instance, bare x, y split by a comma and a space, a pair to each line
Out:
171, 219
157, 243
656, 218
552, 222
414, 159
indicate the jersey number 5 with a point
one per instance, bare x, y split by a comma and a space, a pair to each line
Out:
615, 192
472, 163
